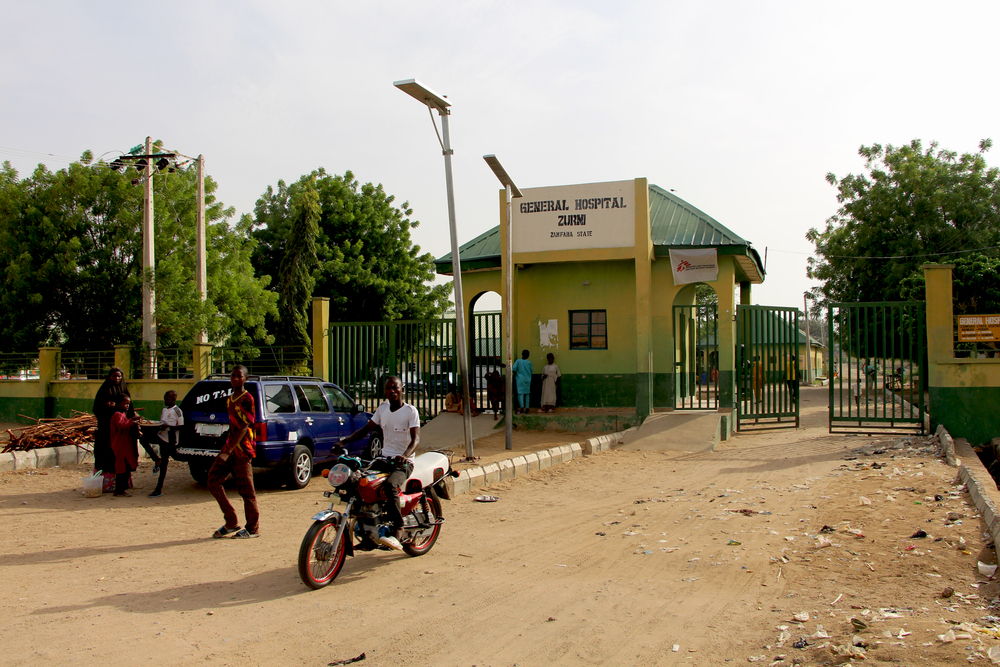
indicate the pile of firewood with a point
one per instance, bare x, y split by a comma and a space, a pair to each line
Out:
53, 432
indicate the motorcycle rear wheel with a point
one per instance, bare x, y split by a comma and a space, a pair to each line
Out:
320, 560
421, 545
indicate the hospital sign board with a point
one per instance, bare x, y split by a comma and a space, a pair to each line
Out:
978, 328
574, 217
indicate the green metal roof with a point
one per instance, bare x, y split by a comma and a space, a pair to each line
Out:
674, 223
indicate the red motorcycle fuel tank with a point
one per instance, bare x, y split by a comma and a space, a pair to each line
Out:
370, 487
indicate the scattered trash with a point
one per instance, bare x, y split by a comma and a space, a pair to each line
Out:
859, 624
487, 499
800, 643
602, 534
357, 658
734, 543
801, 617
987, 570
947, 637
947, 592
675, 648
823, 542
864, 501
919, 534
827, 529
550, 619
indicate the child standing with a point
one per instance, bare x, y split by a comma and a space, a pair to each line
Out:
124, 436
172, 419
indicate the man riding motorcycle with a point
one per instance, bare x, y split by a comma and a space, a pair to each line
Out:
400, 426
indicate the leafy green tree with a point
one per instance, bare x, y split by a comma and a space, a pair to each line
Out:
913, 205
368, 265
298, 269
71, 269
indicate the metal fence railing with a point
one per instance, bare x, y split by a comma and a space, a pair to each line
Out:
172, 363
18, 365
272, 360
86, 364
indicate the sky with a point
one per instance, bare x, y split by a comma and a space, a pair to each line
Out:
741, 108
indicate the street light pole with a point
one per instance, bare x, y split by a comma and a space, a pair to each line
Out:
201, 280
148, 267
511, 191
438, 103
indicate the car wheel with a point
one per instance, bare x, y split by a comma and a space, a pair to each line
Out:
199, 471
300, 468
375, 446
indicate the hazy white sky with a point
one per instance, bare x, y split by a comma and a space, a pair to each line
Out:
740, 107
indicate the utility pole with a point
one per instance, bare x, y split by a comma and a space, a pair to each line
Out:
200, 270
148, 266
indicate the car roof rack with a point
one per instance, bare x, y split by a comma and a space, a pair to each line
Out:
222, 376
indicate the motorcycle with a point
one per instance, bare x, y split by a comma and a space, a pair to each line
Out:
335, 535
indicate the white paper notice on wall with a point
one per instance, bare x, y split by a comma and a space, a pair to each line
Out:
697, 265
548, 333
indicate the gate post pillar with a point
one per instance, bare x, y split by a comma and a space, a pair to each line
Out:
937, 278
727, 333
320, 337
643, 302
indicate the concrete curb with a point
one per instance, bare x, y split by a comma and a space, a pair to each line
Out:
522, 465
977, 479
44, 457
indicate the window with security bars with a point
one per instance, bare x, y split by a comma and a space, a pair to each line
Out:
588, 329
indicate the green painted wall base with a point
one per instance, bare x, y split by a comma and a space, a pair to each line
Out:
12, 409
967, 412
594, 391
570, 423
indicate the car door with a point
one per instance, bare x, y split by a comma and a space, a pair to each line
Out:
349, 418
325, 426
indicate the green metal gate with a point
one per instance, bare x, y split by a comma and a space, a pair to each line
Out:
420, 352
696, 357
877, 353
767, 351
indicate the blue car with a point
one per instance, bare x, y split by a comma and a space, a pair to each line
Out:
299, 420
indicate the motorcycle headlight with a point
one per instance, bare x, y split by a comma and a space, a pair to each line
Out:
338, 475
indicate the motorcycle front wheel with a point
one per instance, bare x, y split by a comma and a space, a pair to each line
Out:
320, 560
423, 542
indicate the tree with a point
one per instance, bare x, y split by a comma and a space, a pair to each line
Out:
298, 268
914, 205
70, 256
367, 263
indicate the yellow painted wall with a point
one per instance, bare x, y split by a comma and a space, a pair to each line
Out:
549, 291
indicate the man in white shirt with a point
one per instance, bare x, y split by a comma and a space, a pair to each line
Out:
400, 426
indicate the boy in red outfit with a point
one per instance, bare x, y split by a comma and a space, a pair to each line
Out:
236, 457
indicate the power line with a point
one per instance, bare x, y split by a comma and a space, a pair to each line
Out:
929, 254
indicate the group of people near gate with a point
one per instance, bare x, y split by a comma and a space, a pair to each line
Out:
522, 372
116, 454
118, 436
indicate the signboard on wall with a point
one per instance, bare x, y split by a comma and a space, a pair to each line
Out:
978, 328
575, 217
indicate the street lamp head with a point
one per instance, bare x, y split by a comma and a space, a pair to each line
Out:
423, 94
502, 174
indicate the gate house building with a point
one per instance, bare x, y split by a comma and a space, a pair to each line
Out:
605, 279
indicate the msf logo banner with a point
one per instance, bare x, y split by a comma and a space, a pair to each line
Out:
699, 265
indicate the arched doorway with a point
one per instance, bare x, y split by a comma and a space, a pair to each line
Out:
486, 348
696, 348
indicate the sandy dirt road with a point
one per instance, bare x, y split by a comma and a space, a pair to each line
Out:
624, 558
